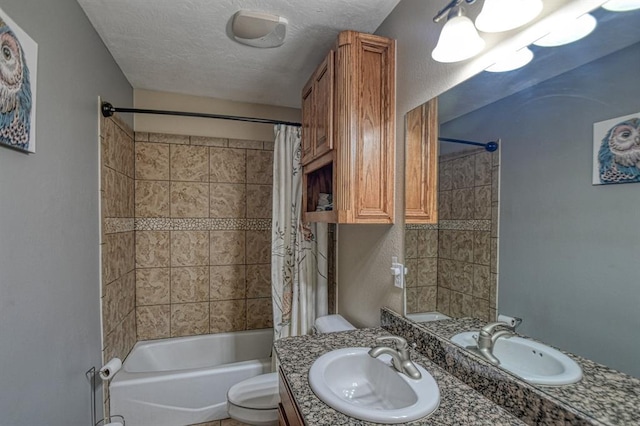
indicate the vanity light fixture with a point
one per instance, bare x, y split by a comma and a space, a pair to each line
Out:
504, 15
568, 32
459, 39
621, 5
517, 59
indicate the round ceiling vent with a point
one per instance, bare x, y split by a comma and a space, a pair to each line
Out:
258, 29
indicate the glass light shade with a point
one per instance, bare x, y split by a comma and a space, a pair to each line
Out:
514, 61
504, 15
458, 41
569, 32
621, 5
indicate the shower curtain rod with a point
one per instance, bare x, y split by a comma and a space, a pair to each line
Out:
108, 110
489, 146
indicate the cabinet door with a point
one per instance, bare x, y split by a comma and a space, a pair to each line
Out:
308, 122
421, 165
323, 103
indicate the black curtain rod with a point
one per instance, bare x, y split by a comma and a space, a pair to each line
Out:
489, 146
108, 110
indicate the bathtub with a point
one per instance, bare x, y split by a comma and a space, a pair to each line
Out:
184, 380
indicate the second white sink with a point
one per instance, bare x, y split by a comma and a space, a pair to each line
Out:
354, 383
532, 361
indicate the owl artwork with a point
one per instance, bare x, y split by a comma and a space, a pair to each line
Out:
619, 154
15, 91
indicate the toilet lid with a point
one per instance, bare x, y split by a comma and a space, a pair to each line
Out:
258, 393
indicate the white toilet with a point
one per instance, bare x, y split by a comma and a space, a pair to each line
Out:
255, 401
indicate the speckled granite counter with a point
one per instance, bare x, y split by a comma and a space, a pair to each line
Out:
459, 404
603, 397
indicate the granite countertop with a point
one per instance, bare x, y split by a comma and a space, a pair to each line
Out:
605, 394
459, 403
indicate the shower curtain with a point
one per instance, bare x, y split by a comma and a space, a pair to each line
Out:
299, 250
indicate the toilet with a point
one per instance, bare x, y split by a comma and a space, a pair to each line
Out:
255, 401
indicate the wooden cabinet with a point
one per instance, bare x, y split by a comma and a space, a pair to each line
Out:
287, 410
421, 165
348, 109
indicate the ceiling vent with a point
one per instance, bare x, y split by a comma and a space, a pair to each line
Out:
258, 29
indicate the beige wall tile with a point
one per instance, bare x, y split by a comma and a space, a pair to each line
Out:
227, 282
445, 272
427, 298
462, 245
412, 300
481, 247
462, 277
153, 322
480, 309
494, 221
258, 247
444, 176
494, 255
152, 161
259, 313
209, 141
444, 205
152, 286
228, 200
141, 137
411, 244
463, 172
445, 242
259, 167
130, 332
411, 278
109, 192
127, 297
481, 282
227, 315
443, 303
227, 165
189, 248
227, 247
189, 319
130, 198
245, 144
259, 280
167, 138
189, 163
462, 204
268, 145
152, 198
493, 291
190, 284
259, 201
109, 306
152, 249
495, 184
427, 272
455, 307
427, 243
482, 209
483, 168
117, 256
189, 199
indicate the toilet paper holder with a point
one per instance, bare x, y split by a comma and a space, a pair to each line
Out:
106, 421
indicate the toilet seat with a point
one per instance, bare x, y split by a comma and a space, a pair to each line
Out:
255, 401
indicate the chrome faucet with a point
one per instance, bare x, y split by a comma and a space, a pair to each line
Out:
488, 337
399, 354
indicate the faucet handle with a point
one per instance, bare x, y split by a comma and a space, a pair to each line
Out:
398, 342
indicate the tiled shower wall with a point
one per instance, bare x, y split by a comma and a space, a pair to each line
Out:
453, 264
203, 235
117, 239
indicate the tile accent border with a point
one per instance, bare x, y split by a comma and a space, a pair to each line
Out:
456, 225
113, 225
202, 224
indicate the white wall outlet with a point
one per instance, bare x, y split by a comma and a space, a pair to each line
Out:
398, 271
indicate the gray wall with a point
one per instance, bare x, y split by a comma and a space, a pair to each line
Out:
568, 250
49, 262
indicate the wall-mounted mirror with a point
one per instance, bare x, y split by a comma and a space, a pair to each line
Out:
527, 216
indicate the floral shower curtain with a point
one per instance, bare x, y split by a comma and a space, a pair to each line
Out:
299, 250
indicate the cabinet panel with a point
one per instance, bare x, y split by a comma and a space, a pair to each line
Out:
308, 131
421, 165
289, 414
323, 88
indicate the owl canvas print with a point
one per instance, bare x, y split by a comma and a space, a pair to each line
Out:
18, 66
616, 150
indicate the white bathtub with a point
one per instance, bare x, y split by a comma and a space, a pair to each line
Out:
184, 381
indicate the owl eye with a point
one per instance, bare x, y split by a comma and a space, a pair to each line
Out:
6, 53
625, 134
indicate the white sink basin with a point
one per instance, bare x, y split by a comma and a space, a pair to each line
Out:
533, 362
354, 383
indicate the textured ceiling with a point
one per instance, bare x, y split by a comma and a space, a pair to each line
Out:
182, 45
